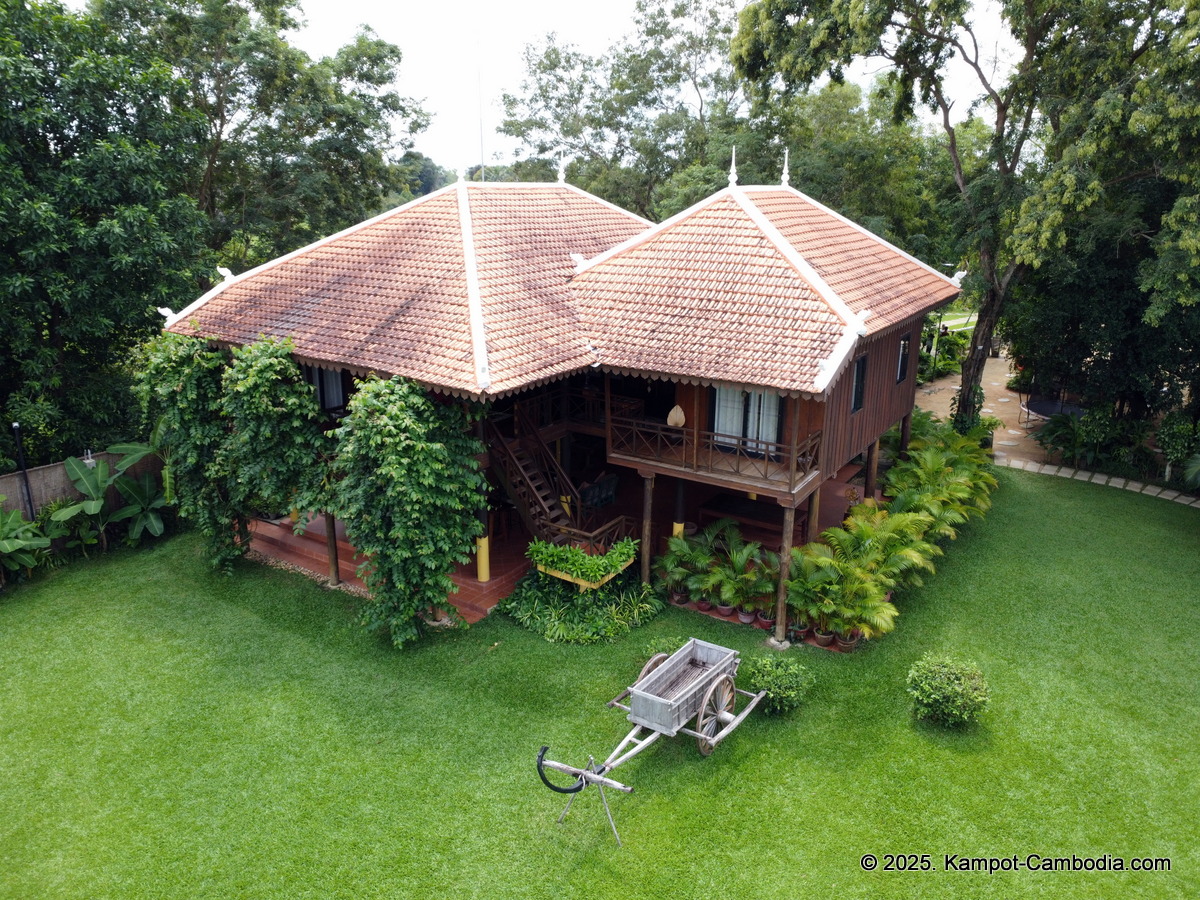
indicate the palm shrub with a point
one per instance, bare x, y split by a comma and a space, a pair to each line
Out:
738, 575
836, 593
890, 546
685, 557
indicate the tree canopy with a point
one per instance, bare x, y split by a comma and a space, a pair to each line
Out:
95, 230
1089, 79
293, 148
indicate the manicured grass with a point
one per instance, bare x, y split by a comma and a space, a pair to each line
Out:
165, 732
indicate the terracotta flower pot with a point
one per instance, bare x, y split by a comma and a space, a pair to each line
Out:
745, 616
848, 643
703, 605
724, 610
765, 621
823, 638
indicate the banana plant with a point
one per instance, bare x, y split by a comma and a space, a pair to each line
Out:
145, 501
93, 483
19, 539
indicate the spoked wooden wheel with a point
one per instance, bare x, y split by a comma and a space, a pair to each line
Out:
653, 663
718, 701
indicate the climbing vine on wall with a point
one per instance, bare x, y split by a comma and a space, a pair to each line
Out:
276, 448
179, 382
408, 493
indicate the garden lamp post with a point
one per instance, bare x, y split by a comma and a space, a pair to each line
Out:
24, 473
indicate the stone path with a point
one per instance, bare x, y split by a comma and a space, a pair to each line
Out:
1014, 444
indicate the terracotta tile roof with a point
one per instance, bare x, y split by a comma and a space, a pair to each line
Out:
403, 293
708, 296
866, 271
758, 286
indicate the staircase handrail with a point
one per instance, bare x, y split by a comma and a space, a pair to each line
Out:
559, 481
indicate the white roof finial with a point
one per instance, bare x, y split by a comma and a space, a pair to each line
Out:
785, 179
562, 170
733, 168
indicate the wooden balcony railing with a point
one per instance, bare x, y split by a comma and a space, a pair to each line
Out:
741, 459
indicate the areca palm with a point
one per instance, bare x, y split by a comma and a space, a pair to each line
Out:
889, 546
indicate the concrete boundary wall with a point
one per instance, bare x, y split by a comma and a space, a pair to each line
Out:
50, 482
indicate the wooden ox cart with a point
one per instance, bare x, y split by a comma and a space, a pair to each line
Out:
696, 682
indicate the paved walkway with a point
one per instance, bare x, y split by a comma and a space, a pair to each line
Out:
1014, 444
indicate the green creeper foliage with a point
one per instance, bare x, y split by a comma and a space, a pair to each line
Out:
179, 385
276, 445
947, 691
409, 491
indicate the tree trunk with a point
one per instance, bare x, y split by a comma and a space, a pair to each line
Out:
966, 414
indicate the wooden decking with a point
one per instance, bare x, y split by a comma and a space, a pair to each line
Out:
473, 601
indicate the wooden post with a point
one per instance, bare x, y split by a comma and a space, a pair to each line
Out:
905, 435
814, 512
785, 566
678, 523
647, 512
335, 576
872, 470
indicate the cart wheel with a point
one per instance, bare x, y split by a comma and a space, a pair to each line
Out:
653, 663
720, 698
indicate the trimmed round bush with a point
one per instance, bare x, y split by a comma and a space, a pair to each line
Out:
947, 690
786, 681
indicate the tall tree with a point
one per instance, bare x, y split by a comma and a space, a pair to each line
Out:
294, 148
785, 45
95, 231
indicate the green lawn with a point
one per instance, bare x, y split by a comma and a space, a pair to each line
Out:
165, 732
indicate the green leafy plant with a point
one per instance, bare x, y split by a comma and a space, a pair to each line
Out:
1178, 437
578, 563
93, 483
179, 384
946, 690
409, 489
561, 613
738, 576
785, 679
19, 542
143, 509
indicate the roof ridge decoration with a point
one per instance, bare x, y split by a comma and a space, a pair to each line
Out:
301, 251
733, 168
483, 377
785, 179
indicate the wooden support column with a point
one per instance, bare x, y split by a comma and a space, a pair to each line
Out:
814, 513
677, 523
872, 471
335, 575
483, 544
905, 435
647, 512
785, 566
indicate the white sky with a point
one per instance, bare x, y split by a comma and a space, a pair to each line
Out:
459, 59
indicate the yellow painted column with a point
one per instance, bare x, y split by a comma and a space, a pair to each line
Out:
483, 560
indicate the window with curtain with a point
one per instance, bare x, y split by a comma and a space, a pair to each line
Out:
746, 418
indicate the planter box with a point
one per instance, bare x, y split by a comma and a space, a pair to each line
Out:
583, 584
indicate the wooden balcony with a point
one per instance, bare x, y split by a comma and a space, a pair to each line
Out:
732, 461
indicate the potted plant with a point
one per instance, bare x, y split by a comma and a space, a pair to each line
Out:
736, 576
683, 559
768, 566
